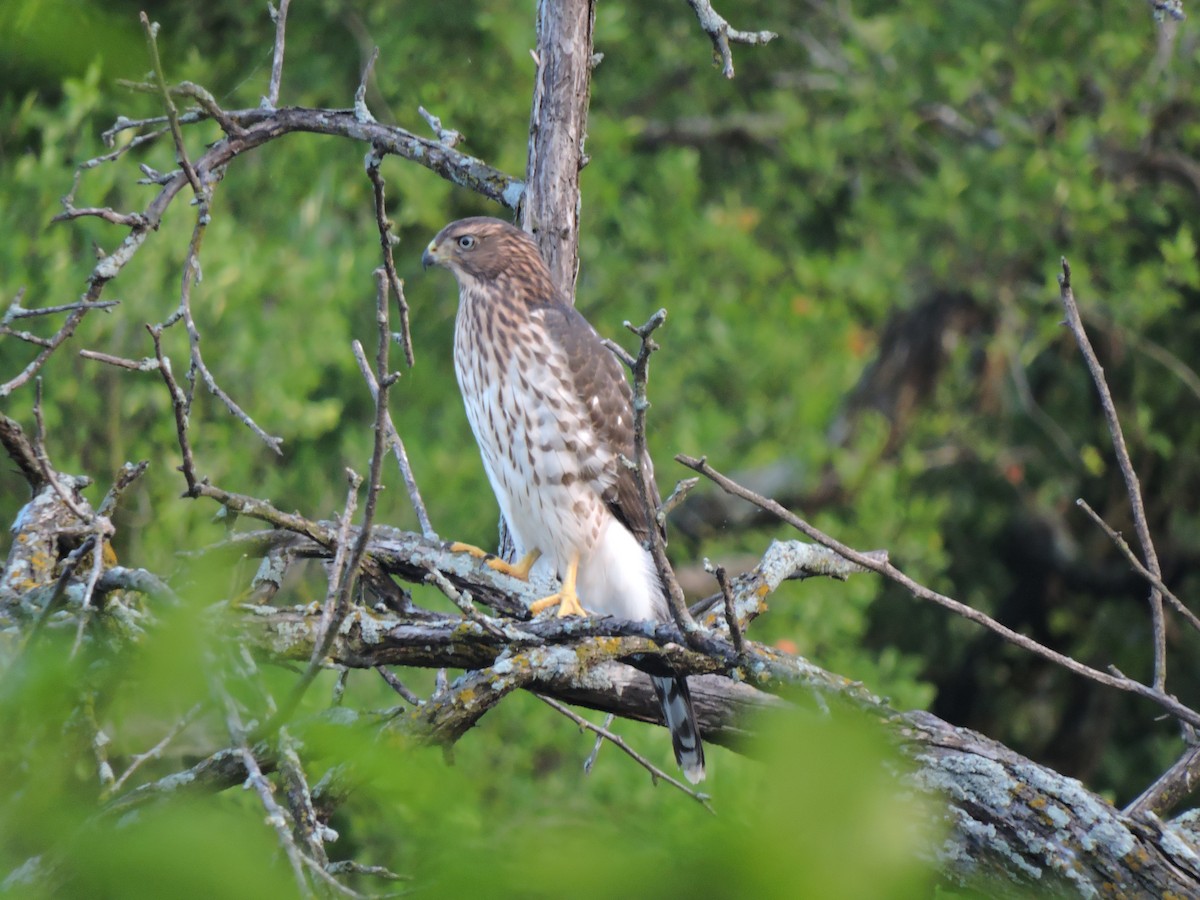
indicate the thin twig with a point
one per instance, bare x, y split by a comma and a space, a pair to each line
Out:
98, 738
397, 446
447, 136
179, 406
497, 628
462, 599
16, 311
337, 599
27, 337
591, 758
1132, 485
643, 476
181, 155
349, 867
619, 352
1153, 579
21, 451
386, 240
85, 605
156, 751
683, 487
53, 603
361, 112
398, 686
339, 571
616, 740
146, 364
280, 17
731, 620
191, 274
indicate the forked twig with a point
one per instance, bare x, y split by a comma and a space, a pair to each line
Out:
720, 33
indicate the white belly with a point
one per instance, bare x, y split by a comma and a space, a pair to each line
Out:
548, 479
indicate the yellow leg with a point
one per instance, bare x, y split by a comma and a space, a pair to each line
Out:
517, 570
566, 599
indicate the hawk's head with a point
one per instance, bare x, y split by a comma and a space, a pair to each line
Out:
483, 249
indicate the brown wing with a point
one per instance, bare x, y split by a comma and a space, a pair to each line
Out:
596, 373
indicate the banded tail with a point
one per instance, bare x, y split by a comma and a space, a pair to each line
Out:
676, 702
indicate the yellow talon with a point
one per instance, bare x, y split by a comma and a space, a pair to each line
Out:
516, 570
566, 600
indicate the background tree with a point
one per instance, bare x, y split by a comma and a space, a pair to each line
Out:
879, 200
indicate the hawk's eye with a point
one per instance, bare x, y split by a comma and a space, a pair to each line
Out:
467, 242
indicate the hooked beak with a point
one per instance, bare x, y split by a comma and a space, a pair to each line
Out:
428, 258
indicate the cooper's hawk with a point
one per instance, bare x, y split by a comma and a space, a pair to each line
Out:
553, 415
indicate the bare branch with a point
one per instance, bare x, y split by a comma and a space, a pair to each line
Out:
683, 487
1127, 551
361, 113
49, 474
191, 274
645, 483
397, 446
146, 364
731, 620
656, 774
462, 599
719, 32
181, 155
180, 407
398, 686
386, 240
154, 752
280, 18
1120, 682
447, 136
1132, 485
1170, 788
16, 311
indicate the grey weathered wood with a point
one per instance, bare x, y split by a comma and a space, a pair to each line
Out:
557, 129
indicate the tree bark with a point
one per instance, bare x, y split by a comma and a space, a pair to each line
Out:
557, 129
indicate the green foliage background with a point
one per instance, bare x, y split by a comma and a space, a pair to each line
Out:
871, 159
